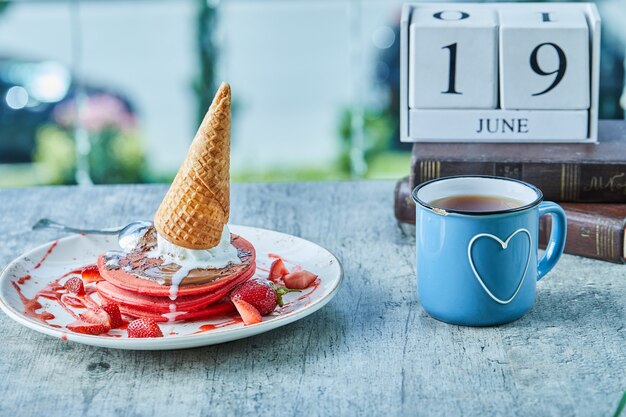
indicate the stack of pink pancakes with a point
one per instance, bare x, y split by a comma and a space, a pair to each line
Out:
141, 285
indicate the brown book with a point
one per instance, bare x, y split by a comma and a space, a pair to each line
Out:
564, 172
404, 206
593, 230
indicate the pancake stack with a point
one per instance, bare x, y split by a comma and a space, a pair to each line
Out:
140, 285
192, 215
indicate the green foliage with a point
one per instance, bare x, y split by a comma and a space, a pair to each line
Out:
389, 165
3, 5
378, 129
115, 157
329, 173
55, 150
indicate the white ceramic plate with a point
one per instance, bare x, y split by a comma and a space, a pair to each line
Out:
73, 252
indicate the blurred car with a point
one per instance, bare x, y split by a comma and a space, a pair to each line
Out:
30, 91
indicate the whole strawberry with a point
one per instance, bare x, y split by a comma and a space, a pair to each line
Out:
261, 294
144, 327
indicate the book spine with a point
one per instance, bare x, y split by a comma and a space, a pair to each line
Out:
590, 183
404, 206
589, 235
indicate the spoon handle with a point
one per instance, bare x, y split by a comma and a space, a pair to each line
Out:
50, 224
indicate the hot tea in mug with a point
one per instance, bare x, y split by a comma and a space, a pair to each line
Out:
477, 253
476, 203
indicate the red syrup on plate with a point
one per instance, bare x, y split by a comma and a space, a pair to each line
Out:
233, 319
32, 305
56, 292
45, 256
306, 294
70, 302
23, 279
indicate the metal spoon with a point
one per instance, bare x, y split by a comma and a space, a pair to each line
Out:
127, 236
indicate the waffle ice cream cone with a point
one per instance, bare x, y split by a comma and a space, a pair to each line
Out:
197, 205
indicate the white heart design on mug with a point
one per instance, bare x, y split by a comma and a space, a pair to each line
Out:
504, 244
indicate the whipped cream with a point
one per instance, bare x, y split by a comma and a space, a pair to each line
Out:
220, 256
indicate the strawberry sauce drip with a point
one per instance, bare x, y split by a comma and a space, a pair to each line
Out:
289, 307
76, 271
48, 252
234, 319
55, 291
315, 286
23, 279
32, 305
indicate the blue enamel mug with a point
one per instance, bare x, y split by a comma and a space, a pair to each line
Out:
480, 268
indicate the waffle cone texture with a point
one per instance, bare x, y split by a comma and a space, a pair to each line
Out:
197, 205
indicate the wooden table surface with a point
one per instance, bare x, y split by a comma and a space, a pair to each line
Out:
372, 351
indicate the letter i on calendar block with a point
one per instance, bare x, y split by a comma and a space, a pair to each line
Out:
453, 58
544, 59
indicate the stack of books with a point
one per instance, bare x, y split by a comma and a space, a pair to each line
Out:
587, 180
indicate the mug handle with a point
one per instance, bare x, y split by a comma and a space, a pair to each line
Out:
558, 235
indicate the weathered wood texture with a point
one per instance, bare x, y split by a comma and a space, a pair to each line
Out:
371, 352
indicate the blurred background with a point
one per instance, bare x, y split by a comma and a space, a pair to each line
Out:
111, 91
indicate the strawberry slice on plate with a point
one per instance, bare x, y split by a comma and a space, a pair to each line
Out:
113, 310
80, 326
91, 274
249, 314
75, 286
299, 279
277, 271
97, 316
94, 322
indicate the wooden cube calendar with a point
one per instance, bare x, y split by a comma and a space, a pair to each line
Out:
499, 72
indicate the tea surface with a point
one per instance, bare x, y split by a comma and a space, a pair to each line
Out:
476, 203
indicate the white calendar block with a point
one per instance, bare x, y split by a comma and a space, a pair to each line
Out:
453, 57
539, 83
544, 59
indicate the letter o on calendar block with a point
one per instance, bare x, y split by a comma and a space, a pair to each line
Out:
544, 59
453, 57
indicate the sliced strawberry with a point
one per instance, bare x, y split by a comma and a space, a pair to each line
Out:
248, 313
277, 270
97, 316
144, 327
299, 279
259, 293
113, 310
80, 326
75, 286
91, 274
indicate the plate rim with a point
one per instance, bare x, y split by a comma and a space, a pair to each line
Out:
176, 342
